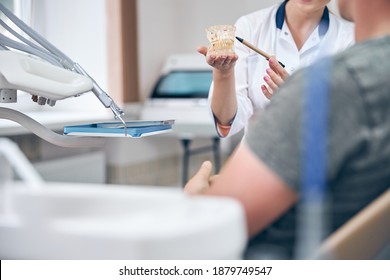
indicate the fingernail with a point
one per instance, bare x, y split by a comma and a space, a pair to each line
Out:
266, 78
268, 70
272, 60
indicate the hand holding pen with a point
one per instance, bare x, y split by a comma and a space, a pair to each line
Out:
276, 74
275, 77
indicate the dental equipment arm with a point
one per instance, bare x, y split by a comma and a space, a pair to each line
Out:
19, 71
48, 52
48, 135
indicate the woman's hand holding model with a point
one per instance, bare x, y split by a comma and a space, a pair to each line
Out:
222, 63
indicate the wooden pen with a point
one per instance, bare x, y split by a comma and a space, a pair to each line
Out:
252, 47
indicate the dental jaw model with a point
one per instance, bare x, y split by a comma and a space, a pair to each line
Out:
221, 38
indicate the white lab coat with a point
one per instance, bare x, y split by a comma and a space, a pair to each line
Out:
271, 34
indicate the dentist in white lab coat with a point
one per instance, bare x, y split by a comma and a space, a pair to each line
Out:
296, 32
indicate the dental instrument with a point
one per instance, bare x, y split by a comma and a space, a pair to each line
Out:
42, 70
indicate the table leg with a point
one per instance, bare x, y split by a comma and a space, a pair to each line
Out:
186, 159
216, 151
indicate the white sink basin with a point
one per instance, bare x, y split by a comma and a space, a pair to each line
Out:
61, 221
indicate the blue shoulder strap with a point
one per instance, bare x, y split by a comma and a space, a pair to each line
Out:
314, 132
311, 221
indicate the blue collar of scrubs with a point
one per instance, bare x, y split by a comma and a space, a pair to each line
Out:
322, 28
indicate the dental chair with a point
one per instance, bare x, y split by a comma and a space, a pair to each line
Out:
364, 236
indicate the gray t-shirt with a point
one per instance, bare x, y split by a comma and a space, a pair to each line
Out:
358, 144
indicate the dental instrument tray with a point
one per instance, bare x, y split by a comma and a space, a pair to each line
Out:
133, 129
